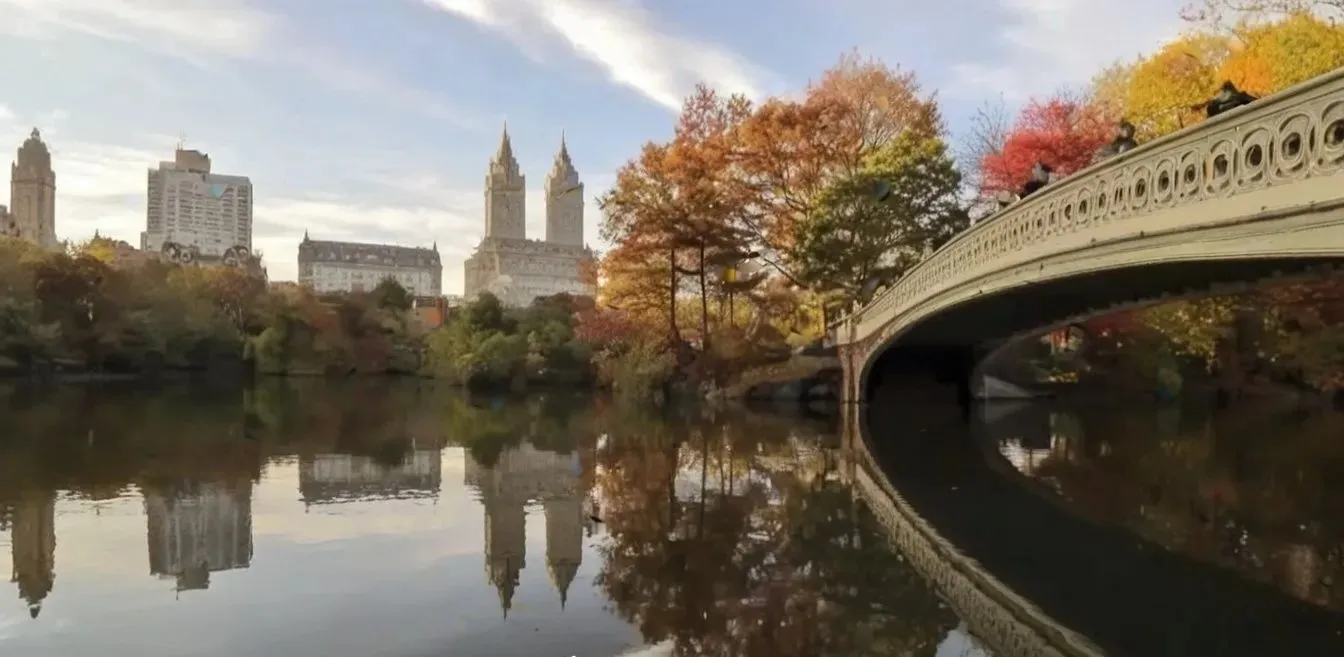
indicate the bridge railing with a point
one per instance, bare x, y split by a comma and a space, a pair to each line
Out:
1295, 134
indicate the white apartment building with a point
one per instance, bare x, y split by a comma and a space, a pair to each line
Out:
330, 266
194, 215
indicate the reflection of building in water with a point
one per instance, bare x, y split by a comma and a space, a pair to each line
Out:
1026, 454
335, 478
1029, 450
195, 529
524, 474
32, 534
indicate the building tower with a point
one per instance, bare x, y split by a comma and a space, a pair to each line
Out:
564, 541
505, 195
32, 193
33, 547
564, 201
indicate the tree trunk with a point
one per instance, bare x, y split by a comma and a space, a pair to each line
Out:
672, 297
704, 303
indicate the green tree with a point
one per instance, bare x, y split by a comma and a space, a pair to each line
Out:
390, 295
853, 235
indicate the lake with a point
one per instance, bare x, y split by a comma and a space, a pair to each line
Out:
405, 519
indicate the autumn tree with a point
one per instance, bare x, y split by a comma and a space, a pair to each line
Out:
1064, 133
1166, 91
1269, 57
853, 236
790, 151
712, 204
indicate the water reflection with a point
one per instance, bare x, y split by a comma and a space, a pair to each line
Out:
196, 528
1255, 490
315, 519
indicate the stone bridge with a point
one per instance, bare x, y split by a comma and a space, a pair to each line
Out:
1253, 193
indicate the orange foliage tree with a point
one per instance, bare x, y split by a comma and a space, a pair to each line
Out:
790, 151
1063, 133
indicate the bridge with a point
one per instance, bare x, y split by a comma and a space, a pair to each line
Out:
1250, 194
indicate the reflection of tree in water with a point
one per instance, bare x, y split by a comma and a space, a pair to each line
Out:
1253, 490
724, 547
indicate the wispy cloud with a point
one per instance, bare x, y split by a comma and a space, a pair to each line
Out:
1046, 45
625, 40
228, 27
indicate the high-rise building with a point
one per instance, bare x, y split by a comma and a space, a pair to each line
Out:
197, 528
506, 263
327, 266
195, 216
32, 195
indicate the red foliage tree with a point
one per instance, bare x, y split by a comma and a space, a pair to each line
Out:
603, 327
1061, 132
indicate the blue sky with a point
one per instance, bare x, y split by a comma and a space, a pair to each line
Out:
374, 119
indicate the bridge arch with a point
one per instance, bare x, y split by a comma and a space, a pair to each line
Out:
1243, 196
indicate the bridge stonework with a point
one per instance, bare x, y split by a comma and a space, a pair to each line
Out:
1009, 624
1232, 199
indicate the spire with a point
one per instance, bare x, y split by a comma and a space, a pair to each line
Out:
563, 170
35, 134
305, 234
505, 153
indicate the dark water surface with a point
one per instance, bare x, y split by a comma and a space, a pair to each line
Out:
312, 519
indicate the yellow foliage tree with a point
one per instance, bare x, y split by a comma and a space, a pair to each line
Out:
1274, 56
1165, 92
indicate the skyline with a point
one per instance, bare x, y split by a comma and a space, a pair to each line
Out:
376, 124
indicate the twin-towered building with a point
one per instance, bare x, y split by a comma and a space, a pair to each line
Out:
524, 475
506, 263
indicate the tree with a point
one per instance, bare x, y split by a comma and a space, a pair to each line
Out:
1219, 13
1270, 57
790, 151
881, 103
237, 293
485, 313
853, 236
984, 138
390, 295
711, 206
1166, 91
640, 215
1062, 132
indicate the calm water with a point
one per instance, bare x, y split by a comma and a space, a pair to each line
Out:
372, 519
359, 520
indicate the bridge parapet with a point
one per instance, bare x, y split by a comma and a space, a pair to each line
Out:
1294, 136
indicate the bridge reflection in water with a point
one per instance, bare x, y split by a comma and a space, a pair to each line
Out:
1041, 529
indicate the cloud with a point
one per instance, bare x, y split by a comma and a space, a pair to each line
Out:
625, 40
227, 27
201, 32
1046, 45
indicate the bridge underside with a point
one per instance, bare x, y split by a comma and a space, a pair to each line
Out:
932, 362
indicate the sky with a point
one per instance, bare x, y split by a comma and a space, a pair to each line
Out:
374, 120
